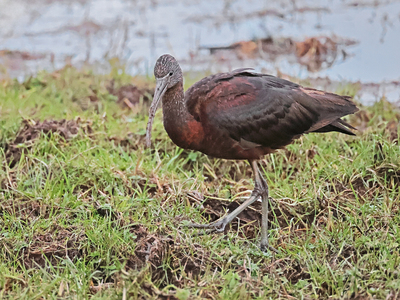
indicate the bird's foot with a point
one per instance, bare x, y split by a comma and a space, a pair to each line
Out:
214, 227
264, 247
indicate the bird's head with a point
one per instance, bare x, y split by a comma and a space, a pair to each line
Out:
168, 73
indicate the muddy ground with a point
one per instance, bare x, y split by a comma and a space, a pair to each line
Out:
160, 253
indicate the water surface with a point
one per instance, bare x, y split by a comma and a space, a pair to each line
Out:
138, 31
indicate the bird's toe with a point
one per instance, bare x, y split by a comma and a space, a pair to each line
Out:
214, 227
265, 247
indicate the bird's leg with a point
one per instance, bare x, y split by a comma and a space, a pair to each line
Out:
260, 190
262, 187
219, 225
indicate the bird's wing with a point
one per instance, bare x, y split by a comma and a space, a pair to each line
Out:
261, 110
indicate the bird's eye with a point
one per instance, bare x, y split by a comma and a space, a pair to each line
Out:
170, 74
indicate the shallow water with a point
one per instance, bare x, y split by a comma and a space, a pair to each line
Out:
138, 31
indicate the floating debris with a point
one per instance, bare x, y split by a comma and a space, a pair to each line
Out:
321, 52
22, 55
315, 53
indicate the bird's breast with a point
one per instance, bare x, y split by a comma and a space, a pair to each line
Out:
192, 135
187, 134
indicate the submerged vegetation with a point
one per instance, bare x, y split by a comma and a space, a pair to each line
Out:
87, 212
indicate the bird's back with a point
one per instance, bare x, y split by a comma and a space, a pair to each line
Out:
249, 114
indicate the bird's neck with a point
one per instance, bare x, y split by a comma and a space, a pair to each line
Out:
173, 105
178, 122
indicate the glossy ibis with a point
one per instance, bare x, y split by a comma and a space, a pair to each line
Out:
242, 115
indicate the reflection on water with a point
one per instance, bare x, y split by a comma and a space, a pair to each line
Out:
49, 33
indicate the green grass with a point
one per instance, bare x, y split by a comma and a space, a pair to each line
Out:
96, 215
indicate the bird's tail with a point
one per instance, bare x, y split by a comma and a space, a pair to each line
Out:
338, 125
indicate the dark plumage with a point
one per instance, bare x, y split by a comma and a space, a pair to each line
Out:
242, 115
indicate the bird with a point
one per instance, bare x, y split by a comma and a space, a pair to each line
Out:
242, 115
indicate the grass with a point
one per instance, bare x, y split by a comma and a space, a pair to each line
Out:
87, 212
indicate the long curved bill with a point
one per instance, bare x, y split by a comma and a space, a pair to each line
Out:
161, 87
